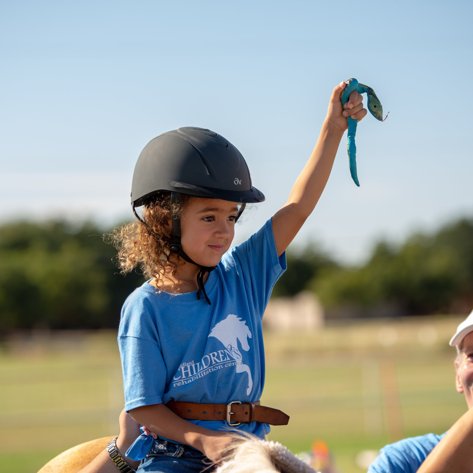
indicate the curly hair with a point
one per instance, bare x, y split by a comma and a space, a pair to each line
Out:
147, 245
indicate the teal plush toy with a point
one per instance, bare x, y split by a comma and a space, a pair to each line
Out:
375, 108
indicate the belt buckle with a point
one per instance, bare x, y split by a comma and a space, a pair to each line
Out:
230, 413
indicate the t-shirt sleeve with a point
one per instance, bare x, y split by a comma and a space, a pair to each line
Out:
405, 456
260, 264
388, 461
143, 367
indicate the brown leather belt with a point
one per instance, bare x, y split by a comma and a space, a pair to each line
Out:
234, 413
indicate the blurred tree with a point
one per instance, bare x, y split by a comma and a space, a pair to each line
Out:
459, 236
58, 275
302, 266
427, 274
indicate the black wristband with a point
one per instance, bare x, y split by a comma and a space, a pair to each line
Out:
117, 457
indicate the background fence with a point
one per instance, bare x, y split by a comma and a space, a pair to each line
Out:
354, 386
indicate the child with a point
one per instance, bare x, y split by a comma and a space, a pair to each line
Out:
190, 338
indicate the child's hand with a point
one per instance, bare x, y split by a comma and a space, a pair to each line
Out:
146, 431
337, 114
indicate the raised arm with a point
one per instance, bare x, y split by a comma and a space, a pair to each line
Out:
454, 453
311, 181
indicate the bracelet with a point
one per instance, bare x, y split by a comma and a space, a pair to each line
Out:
117, 457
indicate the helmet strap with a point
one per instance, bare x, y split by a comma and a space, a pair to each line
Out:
176, 247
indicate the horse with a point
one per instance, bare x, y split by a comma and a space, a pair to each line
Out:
249, 454
246, 454
74, 459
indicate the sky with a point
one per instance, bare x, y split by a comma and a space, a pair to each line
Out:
85, 85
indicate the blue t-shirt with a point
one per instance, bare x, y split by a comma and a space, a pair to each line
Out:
176, 347
405, 456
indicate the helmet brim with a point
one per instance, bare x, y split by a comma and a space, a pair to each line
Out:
251, 196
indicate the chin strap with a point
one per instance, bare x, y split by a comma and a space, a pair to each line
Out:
203, 270
201, 285
176, 247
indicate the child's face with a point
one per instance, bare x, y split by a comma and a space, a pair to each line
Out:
207, 229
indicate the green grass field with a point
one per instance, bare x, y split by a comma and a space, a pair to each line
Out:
355, 387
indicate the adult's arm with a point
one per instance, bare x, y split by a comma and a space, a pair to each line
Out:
454, 453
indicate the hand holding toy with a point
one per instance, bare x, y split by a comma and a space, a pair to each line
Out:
375, 108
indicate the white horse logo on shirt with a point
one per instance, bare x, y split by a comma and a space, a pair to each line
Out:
229, 332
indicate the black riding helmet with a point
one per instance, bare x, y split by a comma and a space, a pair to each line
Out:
195, 162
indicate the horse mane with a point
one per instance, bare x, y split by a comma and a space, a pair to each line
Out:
247, 454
